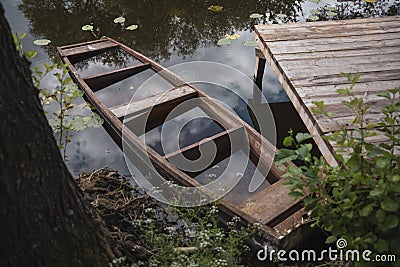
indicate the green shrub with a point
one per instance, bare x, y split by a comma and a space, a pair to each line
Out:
359, 200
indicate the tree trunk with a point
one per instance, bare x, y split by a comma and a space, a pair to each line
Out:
44, 220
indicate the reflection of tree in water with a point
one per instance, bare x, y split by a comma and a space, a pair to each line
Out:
362, 9
113, 58
165, 26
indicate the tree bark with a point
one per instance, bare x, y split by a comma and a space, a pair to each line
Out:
44, 220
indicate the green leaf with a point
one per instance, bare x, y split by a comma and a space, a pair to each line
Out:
364, 212
22, 36
256, 16
284, 155
301, 137
288, 141
87, 27
330, 239
389, 204
119, 20
313, 18
302, 151
132, 27
330, 8
315, 12
224, 41
391, 221
132, 87
331, 13
42, 42
31, 54
281, 16
250, 43
315, 1
384, 94
376, 192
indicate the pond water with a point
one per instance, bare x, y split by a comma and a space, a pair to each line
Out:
170, 32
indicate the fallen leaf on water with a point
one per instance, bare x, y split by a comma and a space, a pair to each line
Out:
119, 20
256, 16
370, 1
132, 27
42, 42
281, 16
232, 37
313, 18
250, 43
87, 27
215, 8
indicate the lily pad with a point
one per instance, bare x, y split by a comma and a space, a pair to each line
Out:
87, 27
250, 43
132, 87
256, 16
132, 27
315, 1
313, 18
224, 41
330, 8
331, 14
42, 42
119, 20
315, 12
215, 8
370, 1
281, 16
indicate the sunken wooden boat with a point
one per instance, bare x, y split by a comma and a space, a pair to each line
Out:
277, 213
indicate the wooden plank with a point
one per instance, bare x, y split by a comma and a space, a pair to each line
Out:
342, 54
271, 203
309, 70
282, 49
371, 87
133, 108
88, 48
318, 64
103, 80
61, 48
222, 142
328, 31
338, 79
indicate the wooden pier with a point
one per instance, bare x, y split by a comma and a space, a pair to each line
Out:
308, 58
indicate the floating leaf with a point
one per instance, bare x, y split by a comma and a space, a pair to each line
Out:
132, 87
132, 27
315, 1
87, 27
313, 18
256, 16
42, 42
22, 36
215, 8
330, 13
232, 37
224, 41
370, 1
250, 43
315, 12
119, 20
281, 16
330, 8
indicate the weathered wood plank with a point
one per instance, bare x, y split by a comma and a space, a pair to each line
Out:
371, 87
285, 33
144, 105
270, 203
338, 79
222, 142
325, 69
103, 80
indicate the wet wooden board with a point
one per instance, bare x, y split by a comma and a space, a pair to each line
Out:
144, 105
308, 59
